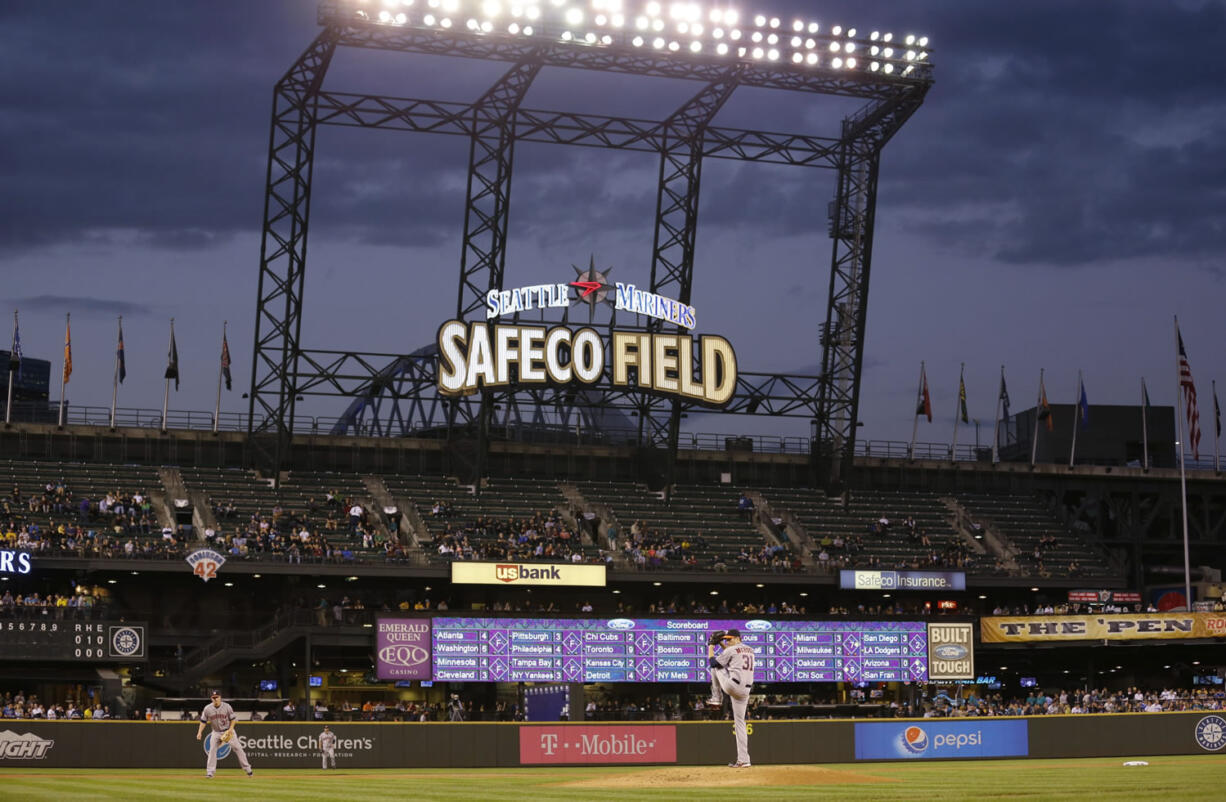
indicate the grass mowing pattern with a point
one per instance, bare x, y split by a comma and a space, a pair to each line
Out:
1183, 778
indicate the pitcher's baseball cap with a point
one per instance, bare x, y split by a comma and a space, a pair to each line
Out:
732, 633
214, 693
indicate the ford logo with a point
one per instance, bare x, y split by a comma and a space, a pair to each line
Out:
621, 623
950, 651
403, 656
758, 625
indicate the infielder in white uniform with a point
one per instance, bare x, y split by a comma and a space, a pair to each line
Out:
219, 716
732, 674
327, 746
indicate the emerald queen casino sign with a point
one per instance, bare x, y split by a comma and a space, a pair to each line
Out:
478, 354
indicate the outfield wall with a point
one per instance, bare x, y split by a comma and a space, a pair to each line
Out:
115, 744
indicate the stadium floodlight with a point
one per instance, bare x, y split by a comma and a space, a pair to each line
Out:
698, 29
836, 62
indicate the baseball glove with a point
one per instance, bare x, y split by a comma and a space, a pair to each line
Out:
716, 637
225, 738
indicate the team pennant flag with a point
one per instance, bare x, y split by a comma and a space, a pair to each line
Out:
962, 401
1004, 396
15, 351
119, 355
67, 351
1083, 408
172, 367
225, 359
1045, 408
924, 402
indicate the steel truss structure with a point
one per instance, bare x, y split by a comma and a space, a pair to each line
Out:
396, 394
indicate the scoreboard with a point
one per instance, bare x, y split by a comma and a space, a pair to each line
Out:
673, 650
39, 639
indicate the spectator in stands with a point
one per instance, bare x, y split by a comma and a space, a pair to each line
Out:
745, 506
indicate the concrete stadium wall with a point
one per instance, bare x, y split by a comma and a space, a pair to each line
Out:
286, 745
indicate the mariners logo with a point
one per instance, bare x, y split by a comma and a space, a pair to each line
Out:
914, 740
223, 750
127, 642
1211, 733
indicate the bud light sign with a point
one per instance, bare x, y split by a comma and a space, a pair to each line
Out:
598, 744
402, 648
930, 738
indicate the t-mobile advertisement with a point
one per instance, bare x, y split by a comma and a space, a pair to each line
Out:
598, 744
402, 648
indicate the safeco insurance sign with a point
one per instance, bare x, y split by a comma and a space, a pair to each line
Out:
517, 573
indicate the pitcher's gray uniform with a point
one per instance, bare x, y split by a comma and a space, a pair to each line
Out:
219, 717
732, 672
327, 747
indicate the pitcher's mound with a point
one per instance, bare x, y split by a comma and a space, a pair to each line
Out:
710, 776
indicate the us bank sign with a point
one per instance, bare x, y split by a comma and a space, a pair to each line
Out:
478, 354
474, 573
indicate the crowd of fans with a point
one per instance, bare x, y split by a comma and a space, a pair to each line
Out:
83, 603
1058, 702
544, 536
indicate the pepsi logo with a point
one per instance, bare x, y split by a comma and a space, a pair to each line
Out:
950, 651
914, 740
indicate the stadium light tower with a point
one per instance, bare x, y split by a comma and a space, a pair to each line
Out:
720, 47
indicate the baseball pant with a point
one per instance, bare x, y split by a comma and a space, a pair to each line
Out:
329, 756
235, 747
738, 696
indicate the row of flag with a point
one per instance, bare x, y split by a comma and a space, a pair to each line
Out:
923, 403
121, 366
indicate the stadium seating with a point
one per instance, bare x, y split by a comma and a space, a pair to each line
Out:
1041, 544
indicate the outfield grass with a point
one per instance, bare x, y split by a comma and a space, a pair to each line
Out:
1179, 778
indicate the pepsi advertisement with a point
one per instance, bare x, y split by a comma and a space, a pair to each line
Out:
934, 738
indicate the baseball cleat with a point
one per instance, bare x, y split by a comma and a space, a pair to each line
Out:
735, 765
250, 773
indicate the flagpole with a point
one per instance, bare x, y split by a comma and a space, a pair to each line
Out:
953, 448
1145, 422
8, 407
220, 370
1183, 478
1072, 452
64, 372
166, 395
919, 401
1038, 410
115, 380
996, 430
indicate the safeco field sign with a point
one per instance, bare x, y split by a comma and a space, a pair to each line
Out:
517, 573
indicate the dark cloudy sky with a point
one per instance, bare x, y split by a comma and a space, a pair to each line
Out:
1060, 195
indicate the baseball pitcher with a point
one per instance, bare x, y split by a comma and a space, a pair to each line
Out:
219, 717
327, 747
732, 674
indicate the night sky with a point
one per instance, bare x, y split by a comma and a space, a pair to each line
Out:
1058, 198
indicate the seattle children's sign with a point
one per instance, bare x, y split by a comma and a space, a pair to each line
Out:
478, 354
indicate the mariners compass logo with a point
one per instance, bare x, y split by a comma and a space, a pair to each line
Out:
592, 284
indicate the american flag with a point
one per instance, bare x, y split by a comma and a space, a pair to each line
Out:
1189, 397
